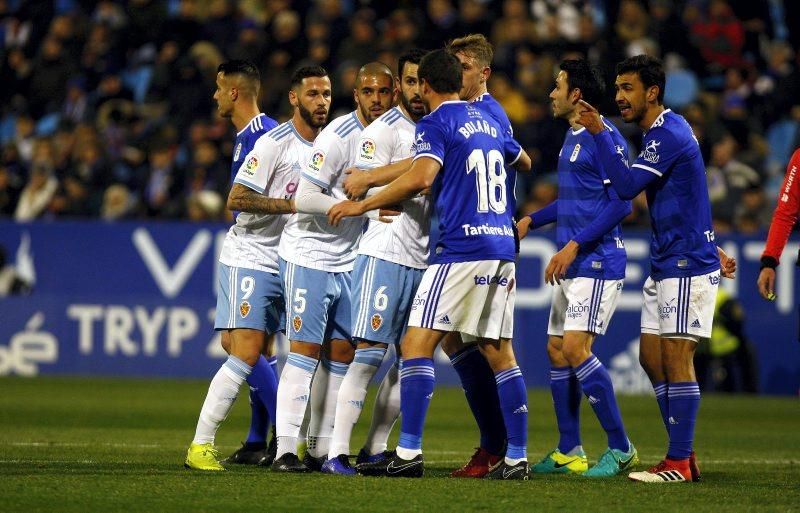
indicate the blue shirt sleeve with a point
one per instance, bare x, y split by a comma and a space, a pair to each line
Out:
626, 182
544, 215
429, 140
616, 210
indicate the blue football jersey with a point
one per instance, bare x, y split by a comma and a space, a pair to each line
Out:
682, 243
472, 191
247, 137
583, 193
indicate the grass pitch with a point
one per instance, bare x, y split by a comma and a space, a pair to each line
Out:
85, 445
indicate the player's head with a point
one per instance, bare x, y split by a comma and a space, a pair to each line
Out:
236, 81
439, 72
577, 80
374, 92
409, 82
475, 53
310, 94
640, 86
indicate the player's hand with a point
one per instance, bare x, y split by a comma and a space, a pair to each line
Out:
727, 264
590, 118
557, 268
766, 283
356, 184
386, 215
523, 226
344, 209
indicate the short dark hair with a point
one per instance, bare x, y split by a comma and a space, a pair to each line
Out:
582, 75
441, 70
237, 67
650, 70
305, 72
413, 56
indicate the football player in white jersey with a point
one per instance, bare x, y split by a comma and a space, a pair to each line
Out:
316, 260
390, 263
250, 299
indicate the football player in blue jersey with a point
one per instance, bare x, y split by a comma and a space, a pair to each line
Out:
685, 263
587, 274
470, 287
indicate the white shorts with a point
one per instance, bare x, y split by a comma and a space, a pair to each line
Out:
475, 298
583, 304
680, 307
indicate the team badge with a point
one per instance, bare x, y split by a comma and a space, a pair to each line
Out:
250, 166
237, 152
367, 149
315, 164
376, 321
297, 323
244, 309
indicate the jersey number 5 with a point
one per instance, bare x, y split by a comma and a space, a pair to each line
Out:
490, 179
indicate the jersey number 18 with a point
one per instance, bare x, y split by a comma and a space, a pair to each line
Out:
490, 179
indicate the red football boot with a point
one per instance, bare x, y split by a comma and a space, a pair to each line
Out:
478, 465
694, 468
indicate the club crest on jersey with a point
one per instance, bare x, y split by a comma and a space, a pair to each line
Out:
315, 164
250, 166
575, 152
376, 322
650, 152
367, 149
237, 152
244, 309
297, 323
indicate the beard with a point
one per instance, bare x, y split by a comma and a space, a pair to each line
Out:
414, 111
308, 117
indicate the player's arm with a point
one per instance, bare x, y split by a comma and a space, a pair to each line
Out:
783, 220
541, 217
358, 181
244, 199
523, 164
420, 177
627, 182
250, 182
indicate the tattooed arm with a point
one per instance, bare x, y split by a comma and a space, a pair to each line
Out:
245, 199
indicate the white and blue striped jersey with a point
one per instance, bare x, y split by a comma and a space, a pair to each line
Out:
472, 191
272, 168
404, 241
309, 240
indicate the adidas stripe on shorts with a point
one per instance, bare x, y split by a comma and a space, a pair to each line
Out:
248, 298
476, 298
680, 307
583, 304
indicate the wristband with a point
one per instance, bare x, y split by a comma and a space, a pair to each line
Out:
768, 261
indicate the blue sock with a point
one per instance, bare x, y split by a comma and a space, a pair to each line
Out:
566, 392
477, 379
416, 389
661, 389
263, 396
273, 362
514, 405
684, 401
597, 387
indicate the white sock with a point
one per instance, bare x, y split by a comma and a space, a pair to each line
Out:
408, 454
293, 391
320, 428
221, 395
350, 401
386, 412
513, 461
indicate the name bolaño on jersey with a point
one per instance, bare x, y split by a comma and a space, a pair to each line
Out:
583, 192
272, 168
471, 191
682, 243
309, 240
404, 241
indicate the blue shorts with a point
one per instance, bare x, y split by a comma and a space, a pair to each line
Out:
317, 303
247, 298
382, 295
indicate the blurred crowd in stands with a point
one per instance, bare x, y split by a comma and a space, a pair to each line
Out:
107, 107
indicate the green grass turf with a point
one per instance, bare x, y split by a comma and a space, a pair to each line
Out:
85, 445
